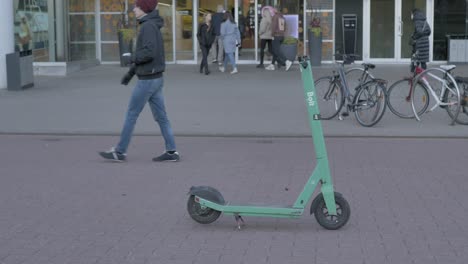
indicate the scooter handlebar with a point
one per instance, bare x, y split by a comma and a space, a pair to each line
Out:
303, 60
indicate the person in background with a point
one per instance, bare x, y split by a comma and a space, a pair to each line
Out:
206, 37
265, 34
24, 35
278, 30
148, 63
420, 37
217, 50
231, 40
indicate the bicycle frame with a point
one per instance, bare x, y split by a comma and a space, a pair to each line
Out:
433, 93
438, 98
321, 173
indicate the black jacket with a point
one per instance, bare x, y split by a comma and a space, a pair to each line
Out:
420, 36
216, 21
205, 35
149, 58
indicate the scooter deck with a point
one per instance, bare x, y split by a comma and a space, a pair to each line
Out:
253, 209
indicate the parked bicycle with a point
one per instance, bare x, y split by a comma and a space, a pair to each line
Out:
442, 87
462, 83
367, 100
359, 74
399, 93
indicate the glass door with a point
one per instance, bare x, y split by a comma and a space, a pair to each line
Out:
245, 16
82, 30
388, 28
210, 7
186, 16
382, 29
167, 11
406, 27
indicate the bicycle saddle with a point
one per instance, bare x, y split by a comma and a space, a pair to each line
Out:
369, 65
448, 67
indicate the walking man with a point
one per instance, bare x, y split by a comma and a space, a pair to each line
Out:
148, 64
217, 49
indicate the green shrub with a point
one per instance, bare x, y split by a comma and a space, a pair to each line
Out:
127, 34
316, 31
290, 41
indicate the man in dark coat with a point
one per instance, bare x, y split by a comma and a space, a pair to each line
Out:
217, 48
148, 64
420, 37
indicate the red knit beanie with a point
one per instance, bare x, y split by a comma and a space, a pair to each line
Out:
146, 6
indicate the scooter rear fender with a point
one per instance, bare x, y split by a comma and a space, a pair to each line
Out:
208, 193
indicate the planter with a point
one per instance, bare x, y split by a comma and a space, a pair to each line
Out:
315, 48
289, 51
125, 46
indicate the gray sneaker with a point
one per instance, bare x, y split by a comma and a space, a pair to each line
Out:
166, 156
113, 155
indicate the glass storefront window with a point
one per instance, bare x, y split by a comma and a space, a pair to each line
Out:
346, 7
246, 22
165, 11
82, 30
112, 5
324, 10
184, 27
109, 26
82, 51
293, 12
34, 29
382, 29
408, 24
450, 18
81, 5
114, 15
110, 52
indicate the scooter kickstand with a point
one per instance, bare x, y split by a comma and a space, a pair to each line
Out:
240, 222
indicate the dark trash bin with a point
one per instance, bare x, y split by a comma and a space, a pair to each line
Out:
20, 72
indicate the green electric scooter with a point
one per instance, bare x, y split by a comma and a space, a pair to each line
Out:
330, 208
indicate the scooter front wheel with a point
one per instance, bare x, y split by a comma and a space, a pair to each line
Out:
327, 221
202, 215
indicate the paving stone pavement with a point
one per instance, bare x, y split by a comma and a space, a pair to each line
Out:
61, 204
252, 103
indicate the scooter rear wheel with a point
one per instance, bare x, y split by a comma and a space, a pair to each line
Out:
331, 222
202, 215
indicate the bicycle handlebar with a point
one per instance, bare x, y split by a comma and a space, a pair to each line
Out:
347, 58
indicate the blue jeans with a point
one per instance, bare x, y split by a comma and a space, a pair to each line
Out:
229, 56
147, 91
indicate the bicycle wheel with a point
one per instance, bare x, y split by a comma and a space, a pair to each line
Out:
443, 87
370, 103
462, 117
399, 98
355, 76
330, 97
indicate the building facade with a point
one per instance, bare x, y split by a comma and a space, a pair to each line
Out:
67, 32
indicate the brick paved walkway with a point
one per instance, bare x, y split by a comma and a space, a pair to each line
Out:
60, 204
